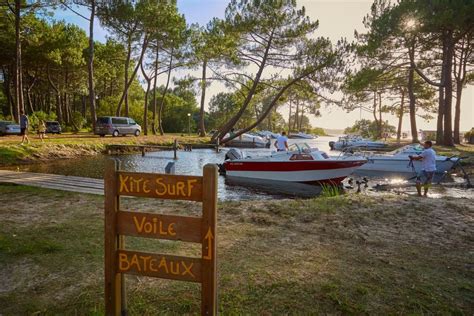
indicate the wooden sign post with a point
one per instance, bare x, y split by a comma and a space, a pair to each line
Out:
119, 261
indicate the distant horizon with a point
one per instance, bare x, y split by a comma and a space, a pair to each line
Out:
337, 19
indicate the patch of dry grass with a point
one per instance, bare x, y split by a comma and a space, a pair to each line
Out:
340, 255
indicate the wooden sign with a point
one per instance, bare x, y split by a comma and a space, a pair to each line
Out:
118, 224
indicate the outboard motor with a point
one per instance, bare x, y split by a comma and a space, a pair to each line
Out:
233, 154
331, 145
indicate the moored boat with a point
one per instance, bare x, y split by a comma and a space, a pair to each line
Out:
248, 141
356, 141
268, 134
398, 161
301, 135
300, 164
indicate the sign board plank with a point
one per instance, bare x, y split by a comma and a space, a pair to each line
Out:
208, 235
159, 266
159, 226
113, 280
162, 186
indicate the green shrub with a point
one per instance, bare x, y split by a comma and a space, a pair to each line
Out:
469, 136
38, 116
77, 121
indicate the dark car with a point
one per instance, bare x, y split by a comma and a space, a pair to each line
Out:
53, 127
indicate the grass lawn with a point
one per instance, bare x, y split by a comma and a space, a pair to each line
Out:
341, 255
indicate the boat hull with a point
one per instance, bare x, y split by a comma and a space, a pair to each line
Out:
402, 165
314, 172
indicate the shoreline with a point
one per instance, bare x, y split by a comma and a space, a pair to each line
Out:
70, 146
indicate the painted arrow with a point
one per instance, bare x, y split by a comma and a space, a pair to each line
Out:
209, 236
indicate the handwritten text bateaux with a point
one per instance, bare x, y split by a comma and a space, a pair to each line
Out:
163, 266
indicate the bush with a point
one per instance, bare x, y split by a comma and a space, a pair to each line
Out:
77, 121
469, 136
38, 116
369, 129
318, 131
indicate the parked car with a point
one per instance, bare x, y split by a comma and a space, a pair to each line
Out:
9, 128
53, 127
115, 126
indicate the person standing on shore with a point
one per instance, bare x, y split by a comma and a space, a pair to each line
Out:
41, 130
428, 168
281, 142
24, 123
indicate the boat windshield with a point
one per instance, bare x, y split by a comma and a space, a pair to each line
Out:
302, 147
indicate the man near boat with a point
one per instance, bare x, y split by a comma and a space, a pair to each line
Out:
281, 142
428, 167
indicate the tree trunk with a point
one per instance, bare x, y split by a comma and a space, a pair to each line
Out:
128, 83
380, 125
457, 113
289, 117
84, 107
125, 81
90, 66
297, 113
67, 109
59, 113
162, 102
28, 95
460, 70
439, 124
400, 116
301, 118
448, 90
411, 96
8, 110
145, 112
153, 125
147, 93
202, 127
374, 110
18, 71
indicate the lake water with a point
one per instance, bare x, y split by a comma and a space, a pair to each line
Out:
191, 163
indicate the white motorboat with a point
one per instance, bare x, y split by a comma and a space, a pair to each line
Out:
398, 161
302, 135
248, 141
268, 134
356, 141
300, 164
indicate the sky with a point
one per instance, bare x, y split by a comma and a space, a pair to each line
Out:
337, 19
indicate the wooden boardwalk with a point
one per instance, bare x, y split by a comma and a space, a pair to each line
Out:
53, 181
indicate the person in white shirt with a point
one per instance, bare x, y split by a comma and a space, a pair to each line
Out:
281, 142
428, 167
